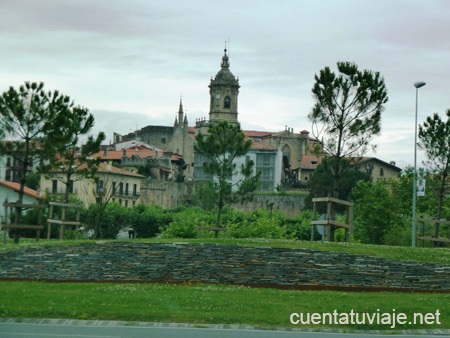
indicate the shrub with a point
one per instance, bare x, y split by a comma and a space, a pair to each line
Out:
106, 220
185, 223
148, 220
258, 224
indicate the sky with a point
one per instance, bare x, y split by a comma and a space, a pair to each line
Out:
130, 61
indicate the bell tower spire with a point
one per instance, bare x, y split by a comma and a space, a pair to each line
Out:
181, 117
223, 91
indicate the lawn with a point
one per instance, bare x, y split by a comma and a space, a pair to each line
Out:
202, 304
224, 304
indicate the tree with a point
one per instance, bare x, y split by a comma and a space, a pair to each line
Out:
27, 117
434, 135
223, 144
74, 122
321, 183
347, 113
373, 199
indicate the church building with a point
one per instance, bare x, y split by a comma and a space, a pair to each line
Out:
277, 155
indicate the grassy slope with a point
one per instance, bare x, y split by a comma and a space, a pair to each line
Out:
221, 304
209, 304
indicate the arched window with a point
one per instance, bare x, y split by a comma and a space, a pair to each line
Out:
227, 102
286, 151
381, 172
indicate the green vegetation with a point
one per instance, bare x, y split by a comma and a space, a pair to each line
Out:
347, 113
200, 303
224, 143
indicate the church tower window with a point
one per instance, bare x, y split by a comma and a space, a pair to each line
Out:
227, 102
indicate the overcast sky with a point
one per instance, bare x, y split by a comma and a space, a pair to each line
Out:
129, 61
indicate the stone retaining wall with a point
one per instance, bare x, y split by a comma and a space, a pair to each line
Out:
211, 263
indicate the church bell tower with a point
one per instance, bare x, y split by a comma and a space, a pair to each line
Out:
223, 91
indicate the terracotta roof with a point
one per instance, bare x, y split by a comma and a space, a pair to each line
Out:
139, 151
310, 162
108, 168
16, 187
357, 160
255, 133
258, 145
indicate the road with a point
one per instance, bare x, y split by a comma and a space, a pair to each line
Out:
104, 329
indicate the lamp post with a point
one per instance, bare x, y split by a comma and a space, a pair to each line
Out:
418, 85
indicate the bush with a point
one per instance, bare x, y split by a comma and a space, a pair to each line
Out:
148, 220
106, 220
185, 223
258, 224
299, 227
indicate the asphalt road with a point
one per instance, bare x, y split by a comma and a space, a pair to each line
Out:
112, 330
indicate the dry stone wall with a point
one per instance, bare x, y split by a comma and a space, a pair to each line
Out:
211, 263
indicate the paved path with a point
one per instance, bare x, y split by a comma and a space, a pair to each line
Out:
66, 328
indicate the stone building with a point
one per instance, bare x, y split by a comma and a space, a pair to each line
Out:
278, 153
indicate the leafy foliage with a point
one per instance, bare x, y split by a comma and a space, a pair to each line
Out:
36, 125
321, 184
223, 144
375, 212
106, 222
347, 112
72, 123
434, 135
186, 222
148, 221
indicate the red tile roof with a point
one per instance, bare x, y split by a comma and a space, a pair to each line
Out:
310, 162
258, 145
109, 168
255, 133
16, 187
141, 152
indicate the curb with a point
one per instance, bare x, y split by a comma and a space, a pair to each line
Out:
113, 323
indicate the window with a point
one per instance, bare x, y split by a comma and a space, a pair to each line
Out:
199, 174
126, 188
381, 172
286, 151
134, 189
70, 186
265, 163
54, 186
100, 188
227, 102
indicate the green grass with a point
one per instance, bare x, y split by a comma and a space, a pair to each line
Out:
437, 255
203, 304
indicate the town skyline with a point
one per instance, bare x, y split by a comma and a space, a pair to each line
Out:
130, 62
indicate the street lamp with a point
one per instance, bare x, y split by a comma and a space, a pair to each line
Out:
418, 85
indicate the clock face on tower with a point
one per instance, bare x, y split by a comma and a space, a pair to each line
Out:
217, 96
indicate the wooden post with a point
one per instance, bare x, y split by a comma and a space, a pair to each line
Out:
50, 216
63, 218
77, 227
5, 222
313, 228
329, 234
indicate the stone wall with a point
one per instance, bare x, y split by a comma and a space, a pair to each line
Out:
169, 195
288, 205
211, 263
